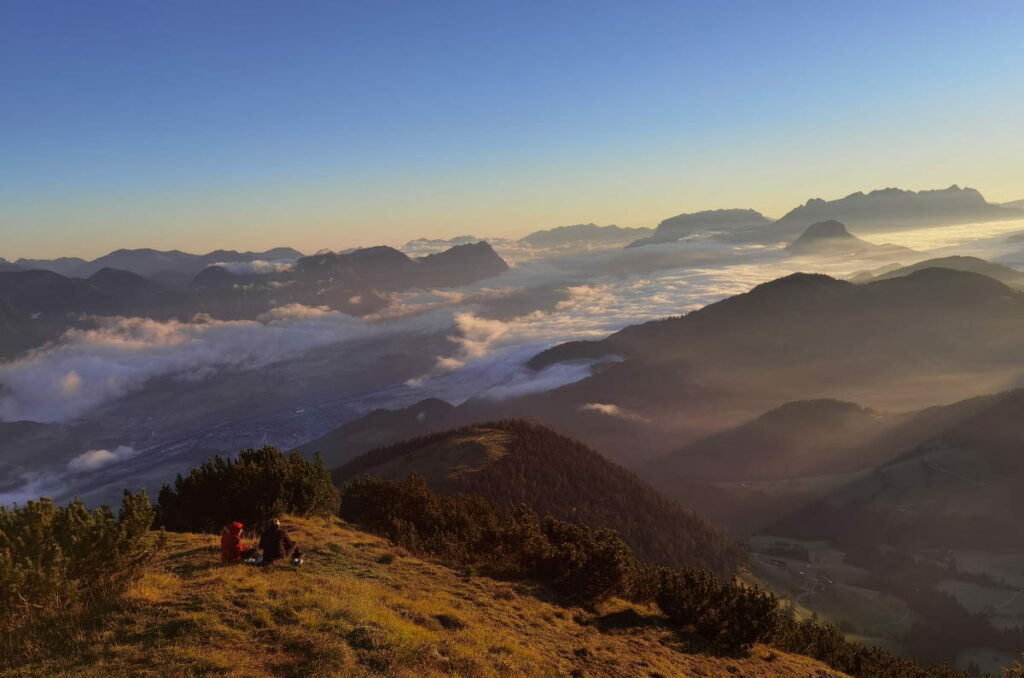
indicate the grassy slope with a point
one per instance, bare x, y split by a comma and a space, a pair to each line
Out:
350, 612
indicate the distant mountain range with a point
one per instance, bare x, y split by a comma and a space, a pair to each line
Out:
584, 234
879, 211
517, 462
706, 223
42, 303
153, 263
890, 209
578, 235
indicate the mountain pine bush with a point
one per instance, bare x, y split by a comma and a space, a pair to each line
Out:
58, 565
730, 616
253, 488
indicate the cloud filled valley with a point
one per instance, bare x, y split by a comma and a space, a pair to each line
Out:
168, 387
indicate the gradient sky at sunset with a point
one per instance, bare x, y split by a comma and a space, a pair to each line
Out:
250, 124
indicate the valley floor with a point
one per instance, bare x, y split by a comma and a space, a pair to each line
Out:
360, 607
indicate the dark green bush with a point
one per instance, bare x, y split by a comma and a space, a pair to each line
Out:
409, 514
584, 564
58, 565
730, 616
254, 487
827, 644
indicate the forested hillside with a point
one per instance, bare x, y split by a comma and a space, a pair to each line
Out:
517, 462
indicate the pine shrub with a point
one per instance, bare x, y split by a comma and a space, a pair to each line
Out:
252, 488
60, 565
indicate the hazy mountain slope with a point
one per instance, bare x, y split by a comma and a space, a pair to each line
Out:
1004, 274
708, 222
39, 291
517, 462
901, 344
19, 331
798, 439
804, 323
382, 427
960, 488
8, 266
359, 607
107, 292
890, 209
809, 438
754, 474
584, 234
831, 239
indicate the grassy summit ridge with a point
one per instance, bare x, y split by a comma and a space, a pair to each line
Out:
362, 607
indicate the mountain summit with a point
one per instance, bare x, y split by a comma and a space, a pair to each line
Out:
830, 238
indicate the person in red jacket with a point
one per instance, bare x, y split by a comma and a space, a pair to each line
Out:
231, 546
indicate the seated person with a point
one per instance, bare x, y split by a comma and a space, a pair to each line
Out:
231, 546
276, 544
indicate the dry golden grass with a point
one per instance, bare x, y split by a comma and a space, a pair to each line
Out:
359, 607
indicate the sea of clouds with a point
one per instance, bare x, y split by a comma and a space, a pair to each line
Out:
494, 326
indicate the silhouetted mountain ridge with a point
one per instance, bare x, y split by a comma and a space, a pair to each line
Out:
584, 234
890, 209
707, 222
1004, 274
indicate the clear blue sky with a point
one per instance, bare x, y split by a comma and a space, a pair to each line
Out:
248, 124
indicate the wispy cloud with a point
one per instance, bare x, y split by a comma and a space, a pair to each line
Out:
257, 267
95, 459
611, 410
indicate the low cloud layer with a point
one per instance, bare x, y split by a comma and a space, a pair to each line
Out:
88, 368
96, 459
258, 267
